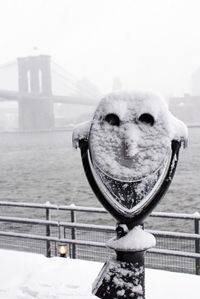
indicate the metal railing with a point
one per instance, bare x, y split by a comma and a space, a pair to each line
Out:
176, 251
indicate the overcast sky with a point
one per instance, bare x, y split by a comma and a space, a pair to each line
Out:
149, 44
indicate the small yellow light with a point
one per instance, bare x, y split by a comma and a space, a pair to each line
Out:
63, 250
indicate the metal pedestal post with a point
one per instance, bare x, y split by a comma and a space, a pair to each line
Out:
122, 277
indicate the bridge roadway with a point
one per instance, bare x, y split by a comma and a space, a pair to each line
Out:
7, 95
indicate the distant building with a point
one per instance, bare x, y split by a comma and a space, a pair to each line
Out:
186, 108
195, 83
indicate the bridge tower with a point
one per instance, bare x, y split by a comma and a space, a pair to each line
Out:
35, 89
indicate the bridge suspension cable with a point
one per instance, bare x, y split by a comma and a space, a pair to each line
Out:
69, 84
8, 64
63, 70
71, 80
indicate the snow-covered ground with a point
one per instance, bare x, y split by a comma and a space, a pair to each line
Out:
29, 276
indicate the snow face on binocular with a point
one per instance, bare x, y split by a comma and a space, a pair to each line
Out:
130, 144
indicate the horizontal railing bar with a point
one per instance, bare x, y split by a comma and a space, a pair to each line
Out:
28, 221
53, 239
57, 223
94, 227
174, 253
84, 226
72, 207
193, 216
159, 233
23, 204
96, 244
53, 207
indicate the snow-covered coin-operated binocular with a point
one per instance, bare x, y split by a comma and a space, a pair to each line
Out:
130, 152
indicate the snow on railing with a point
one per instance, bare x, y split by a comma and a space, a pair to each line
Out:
73, 207
94, 227
74, 226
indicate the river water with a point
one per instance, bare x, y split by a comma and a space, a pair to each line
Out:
43, 167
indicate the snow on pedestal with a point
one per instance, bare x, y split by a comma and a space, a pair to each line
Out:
135, 240
124, 277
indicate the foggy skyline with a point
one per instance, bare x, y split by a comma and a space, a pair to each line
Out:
149, 45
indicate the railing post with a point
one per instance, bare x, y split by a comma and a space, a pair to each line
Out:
197, 246
73, 233
48, 233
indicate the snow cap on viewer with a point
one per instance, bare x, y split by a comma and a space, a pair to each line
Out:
138, 144
146, 102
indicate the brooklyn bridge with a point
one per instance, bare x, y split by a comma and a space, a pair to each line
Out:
36, 83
